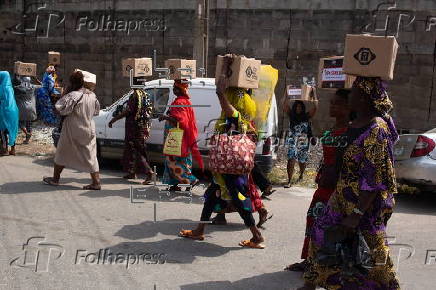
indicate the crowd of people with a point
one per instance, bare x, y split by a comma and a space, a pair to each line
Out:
350, 208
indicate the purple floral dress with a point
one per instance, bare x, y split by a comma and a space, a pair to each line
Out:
367, 166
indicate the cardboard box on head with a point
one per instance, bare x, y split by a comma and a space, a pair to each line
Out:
305, 93
54, 58
90, 79
331, 74
238, 71
176, 63
142, 67
25, 69
370, 56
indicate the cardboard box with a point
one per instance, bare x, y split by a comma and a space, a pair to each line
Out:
25, 69
176, 63
54, 57
142, 67
331, 74
243, 73
305, 93
370, 56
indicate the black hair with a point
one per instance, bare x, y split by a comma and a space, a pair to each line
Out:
294, 117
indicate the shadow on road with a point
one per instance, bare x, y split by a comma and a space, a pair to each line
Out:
171, 227
276, 280
422, 203
178, 251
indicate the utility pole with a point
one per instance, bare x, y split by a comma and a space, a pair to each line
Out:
201, 34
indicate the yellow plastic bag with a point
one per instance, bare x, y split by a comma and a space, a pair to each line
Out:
263, 95
173, 142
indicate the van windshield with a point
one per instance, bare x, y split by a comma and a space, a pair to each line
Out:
160, 98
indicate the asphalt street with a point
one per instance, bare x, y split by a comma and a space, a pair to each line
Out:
68, 238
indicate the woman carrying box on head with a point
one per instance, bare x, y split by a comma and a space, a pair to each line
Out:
44, 98
182, 115
357, 213
232, 190
138, 115
298, 140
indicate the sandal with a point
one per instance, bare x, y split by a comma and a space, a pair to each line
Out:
92, 187
149, 178
50, 181
288, 185
268, 192
190, 235
297, 267
251, 244
263, 217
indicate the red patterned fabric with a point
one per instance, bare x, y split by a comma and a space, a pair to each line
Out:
231, 154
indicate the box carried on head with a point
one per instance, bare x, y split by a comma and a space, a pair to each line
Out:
370, 56
331, 74
238, 71
142, 67
25, 69
189, 67
54, 58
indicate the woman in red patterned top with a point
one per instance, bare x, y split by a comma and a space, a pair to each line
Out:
328, 173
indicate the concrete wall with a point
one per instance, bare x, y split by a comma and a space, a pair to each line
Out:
290, 35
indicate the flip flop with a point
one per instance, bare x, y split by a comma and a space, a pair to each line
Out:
189, 234
251, 244
267, 193
262, 221
92, 187
50, 181
288, 185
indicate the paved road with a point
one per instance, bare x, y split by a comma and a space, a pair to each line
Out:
74, 225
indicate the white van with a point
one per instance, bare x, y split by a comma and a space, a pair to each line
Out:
110, 141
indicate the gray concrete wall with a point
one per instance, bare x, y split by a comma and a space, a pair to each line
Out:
290, 35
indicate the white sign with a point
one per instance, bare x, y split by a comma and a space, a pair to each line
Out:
294, 92
333, 75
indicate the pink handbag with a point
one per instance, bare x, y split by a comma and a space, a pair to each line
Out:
231, 154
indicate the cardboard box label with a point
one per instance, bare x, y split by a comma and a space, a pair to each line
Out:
294, 92
333, 75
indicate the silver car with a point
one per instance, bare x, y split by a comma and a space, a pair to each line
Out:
415, 156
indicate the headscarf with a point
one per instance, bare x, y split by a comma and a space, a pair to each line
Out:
376, 90
8, 108
294, 117
187, 121
243, 103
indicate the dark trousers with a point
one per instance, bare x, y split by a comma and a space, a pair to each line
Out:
259, 178
211, 200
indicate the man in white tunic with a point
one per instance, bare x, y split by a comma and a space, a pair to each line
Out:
77, 147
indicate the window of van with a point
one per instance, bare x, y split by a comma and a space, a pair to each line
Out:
160, 96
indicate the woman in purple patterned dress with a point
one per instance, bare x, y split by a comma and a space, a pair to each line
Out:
362, 203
